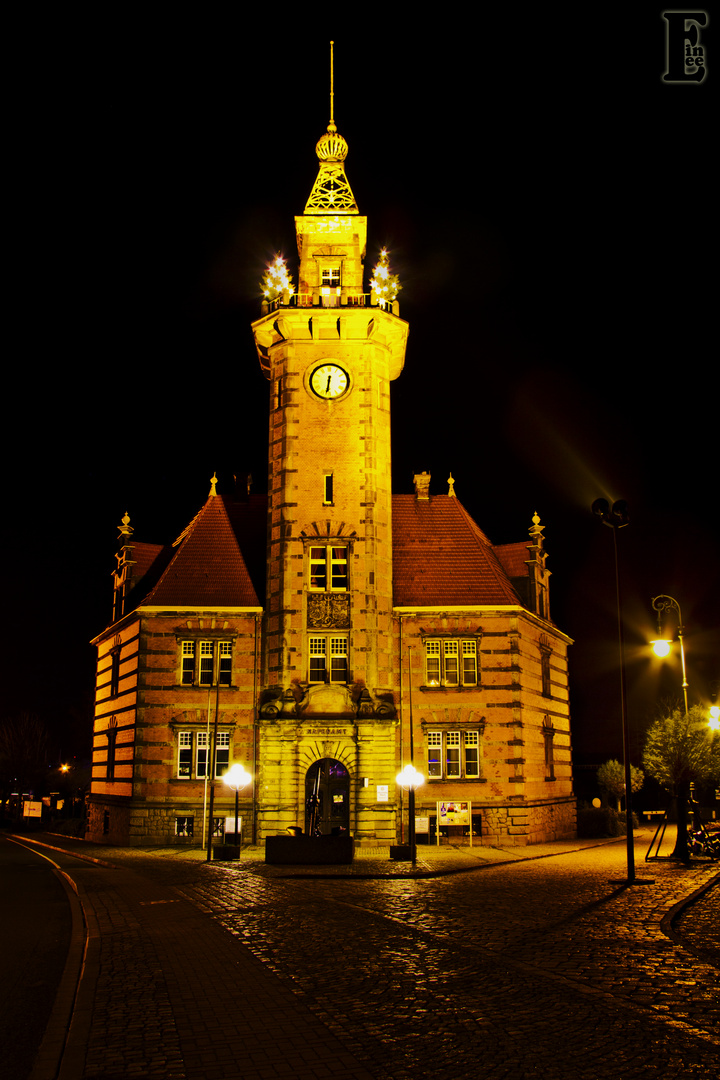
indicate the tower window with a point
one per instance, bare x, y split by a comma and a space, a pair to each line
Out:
328, 659
451, 662
328, 489
329, 569
330, 277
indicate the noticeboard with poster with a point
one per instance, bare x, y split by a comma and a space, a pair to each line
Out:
450, 812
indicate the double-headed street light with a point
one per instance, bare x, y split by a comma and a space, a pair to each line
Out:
617, 517
662, 646
236, 777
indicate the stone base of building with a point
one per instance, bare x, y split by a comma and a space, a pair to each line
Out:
121, 822
533, 822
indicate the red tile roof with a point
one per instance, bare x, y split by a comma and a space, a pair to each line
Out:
208, 569
513, 558
442, 557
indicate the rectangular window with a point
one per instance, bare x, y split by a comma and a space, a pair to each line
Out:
469, 659
201, 755
328, 489
453, 755
184, 826
222, 754
328, 658
115, 672
434, 743
112, 740
225, 663
451, 662
452, 673
472, 753
330, 286
545, 672
330, 277
205, 663
548, 736
329, 569
184, 754
188, 661
205, 673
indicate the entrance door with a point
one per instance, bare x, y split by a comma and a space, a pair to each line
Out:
327, 798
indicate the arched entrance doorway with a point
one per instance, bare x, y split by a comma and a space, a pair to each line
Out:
327, 797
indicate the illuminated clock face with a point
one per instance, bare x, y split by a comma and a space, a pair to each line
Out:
329, 381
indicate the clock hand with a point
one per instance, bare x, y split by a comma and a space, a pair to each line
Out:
327, 388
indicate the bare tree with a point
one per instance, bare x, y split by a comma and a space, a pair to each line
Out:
24, 750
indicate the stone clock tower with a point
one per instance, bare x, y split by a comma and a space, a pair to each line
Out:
329, 352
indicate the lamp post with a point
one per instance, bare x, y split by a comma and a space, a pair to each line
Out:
410, 778
662, 646
237, 778
616, 518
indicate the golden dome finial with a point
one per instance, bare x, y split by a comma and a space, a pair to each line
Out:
331, 192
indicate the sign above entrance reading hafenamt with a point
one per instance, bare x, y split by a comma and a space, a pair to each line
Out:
327, 731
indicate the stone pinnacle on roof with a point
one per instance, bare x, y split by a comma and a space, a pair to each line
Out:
126, 528
451, 487
213, 483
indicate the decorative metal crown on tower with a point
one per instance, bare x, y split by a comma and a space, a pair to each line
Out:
331, 193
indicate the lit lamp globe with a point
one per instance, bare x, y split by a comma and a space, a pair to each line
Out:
410, 778
714, 721
236, 777
661, 647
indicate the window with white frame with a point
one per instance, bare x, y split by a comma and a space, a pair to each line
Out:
330, 285
329, 569
205, 663
193, 754
453, 755
185, 750
328, 658
451, 662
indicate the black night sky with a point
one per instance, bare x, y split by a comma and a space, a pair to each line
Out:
545, 199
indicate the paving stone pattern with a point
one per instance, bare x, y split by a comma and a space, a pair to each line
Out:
516, 969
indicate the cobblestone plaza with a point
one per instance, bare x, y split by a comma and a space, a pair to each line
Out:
485, 963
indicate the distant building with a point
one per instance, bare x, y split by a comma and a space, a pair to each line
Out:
319, 623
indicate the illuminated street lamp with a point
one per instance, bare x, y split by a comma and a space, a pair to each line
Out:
714, 721
662, 646
237, 778
410, 778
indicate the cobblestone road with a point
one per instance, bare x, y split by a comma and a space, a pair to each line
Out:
522, 969
535, 969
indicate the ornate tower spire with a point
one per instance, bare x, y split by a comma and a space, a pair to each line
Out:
331, 193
